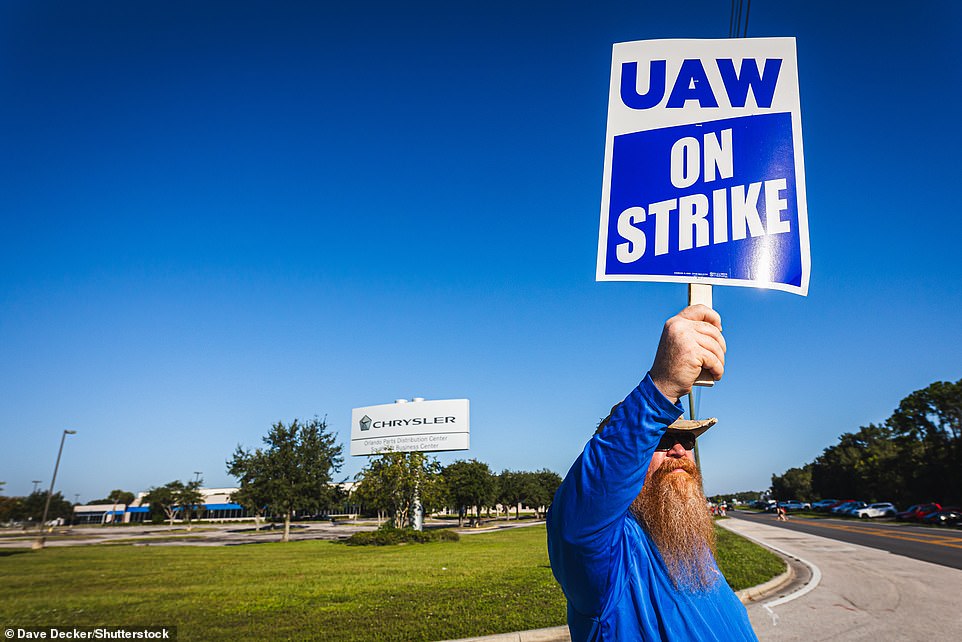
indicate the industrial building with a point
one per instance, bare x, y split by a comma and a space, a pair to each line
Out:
216, 506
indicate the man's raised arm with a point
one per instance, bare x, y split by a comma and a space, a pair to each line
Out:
586, 517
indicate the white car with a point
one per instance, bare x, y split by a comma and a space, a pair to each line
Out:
883, 509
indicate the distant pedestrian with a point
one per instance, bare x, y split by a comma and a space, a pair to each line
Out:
782, 516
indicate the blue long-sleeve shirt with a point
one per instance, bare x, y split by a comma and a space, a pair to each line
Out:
615, 581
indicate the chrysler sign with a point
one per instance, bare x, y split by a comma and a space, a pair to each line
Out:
419, 426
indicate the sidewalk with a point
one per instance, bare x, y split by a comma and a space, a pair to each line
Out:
853, 592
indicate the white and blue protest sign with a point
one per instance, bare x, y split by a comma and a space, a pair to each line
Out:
704, 178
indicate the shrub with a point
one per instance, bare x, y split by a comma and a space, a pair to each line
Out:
448, 536
388, 535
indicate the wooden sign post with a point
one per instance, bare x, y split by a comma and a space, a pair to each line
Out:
700, 293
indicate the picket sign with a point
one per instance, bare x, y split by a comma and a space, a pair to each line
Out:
704, 180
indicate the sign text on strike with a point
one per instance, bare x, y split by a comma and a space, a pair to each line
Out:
737, 204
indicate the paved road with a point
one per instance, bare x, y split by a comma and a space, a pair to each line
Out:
853, 592
937, 545
221, 534
203, 534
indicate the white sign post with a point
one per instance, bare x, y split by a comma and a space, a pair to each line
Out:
704, 181
419, 426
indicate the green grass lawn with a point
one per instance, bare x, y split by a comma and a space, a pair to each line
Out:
486, 583
744, 563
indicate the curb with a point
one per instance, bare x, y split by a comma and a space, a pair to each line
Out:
553, 634
756, 593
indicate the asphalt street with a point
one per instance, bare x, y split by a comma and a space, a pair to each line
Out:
937, 545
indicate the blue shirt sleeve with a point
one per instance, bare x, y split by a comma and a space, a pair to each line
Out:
586, 518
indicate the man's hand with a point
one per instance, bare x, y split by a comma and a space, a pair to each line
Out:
690, 342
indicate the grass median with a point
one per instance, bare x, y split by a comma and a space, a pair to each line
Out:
486, 583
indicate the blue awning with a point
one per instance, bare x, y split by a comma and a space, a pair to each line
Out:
223, 507
138, 509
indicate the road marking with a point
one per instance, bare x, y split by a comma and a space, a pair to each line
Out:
942, 540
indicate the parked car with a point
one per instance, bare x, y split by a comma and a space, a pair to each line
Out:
823, 505
850, 511
949, 516
840, 508
916, 512
793, 504
837, 504
903, 515
881, 509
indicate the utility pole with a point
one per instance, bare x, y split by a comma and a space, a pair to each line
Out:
40, 540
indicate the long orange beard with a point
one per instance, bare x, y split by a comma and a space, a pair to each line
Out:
672, 508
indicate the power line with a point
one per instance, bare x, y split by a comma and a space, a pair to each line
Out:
736, 28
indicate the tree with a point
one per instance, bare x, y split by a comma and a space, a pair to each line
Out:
253, 498
512, 490
394, 482
191, 501
116, 496
534, 489
162, 499
740, 497
866, 464
545, 486
30, 508
928, 428
9, 508
469, 483
914, 456
796, 483
177, 497
294, 470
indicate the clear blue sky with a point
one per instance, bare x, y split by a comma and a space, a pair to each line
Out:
220, 215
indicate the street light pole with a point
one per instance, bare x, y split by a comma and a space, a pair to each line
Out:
39, 543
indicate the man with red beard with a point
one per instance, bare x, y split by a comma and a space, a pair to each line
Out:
630, 537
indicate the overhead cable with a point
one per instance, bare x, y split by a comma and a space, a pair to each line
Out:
737, 28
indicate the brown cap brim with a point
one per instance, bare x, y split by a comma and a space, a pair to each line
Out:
695, 426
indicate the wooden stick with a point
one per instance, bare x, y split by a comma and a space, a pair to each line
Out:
701, 293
